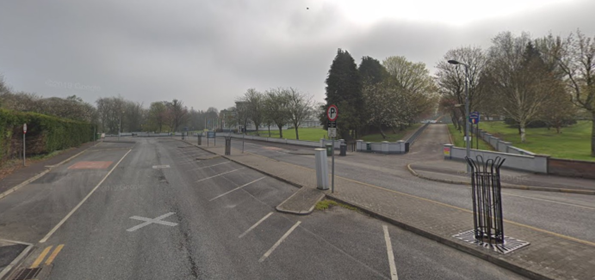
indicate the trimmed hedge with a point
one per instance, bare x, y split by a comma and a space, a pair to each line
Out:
45, 134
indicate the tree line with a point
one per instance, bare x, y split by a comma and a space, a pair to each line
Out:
275, 107
548, 80
112, 114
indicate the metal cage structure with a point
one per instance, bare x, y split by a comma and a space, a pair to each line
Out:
488, 225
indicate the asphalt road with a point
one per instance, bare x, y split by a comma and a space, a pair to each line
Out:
151, 210
562, 213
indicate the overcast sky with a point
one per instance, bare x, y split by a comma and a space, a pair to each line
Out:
207, 53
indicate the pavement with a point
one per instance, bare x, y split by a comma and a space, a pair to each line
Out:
550, 255
163, 209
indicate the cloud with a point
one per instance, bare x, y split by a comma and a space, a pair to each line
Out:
207, 53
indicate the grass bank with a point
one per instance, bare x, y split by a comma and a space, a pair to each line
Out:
573, 142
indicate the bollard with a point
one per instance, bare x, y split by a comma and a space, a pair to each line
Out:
227, 146
200, 139
321, 169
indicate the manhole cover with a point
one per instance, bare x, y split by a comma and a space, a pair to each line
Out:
510, 244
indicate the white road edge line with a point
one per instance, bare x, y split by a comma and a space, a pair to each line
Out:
226, 193
220, 174
47, 236
270, 251
212, 165
391, 256
255, 225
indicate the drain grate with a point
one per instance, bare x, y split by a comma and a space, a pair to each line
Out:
26, 273
510, 244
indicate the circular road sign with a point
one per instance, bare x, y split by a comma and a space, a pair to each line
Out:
332, 113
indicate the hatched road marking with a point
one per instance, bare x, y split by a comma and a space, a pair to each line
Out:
149, 221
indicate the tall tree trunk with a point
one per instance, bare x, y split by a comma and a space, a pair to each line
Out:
280, 131
593, 133
269, 130
297, 136
382, 132
522, 129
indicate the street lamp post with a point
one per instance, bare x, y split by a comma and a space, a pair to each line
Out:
466, 118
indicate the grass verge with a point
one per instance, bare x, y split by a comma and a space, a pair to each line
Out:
306, 133
327, 204
573, 142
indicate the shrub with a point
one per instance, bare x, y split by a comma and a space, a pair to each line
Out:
45, 134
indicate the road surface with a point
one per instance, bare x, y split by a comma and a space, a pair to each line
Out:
162, 209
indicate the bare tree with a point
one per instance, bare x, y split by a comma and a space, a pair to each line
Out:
255, 106
517, 74
299, 107
277, 104
576, 58
451, 81
178, 113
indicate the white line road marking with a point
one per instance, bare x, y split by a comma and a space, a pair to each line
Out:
226, 193
47, 236
391, 256
270, 251
255, 225
220, 174
160, 166
149, 221
212, 165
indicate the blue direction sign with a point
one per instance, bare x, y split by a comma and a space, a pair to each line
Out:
211, 134
474, 117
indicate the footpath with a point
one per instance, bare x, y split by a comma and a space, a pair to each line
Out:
549, 256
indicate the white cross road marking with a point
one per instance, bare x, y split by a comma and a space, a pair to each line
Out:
160, 166
149, 221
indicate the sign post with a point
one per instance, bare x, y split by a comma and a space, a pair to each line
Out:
332, 113
474, 119
24, 149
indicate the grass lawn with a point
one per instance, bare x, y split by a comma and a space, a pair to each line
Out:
306, 133
459, 139
391, 137
573, 142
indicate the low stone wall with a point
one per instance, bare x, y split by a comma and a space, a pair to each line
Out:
399, 147
499, 145
528, 163
571, 168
